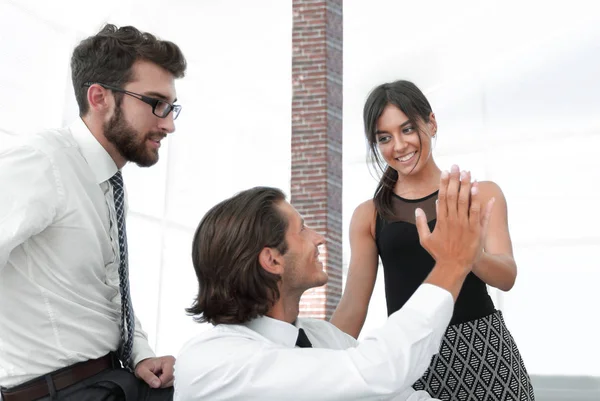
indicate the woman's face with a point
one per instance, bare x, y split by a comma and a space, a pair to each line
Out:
398, 140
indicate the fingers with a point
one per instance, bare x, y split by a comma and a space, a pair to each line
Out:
487, 214
169, 383
464, 195
452, 192
442, 206
422, 227
144, 373
167, 375
475, 221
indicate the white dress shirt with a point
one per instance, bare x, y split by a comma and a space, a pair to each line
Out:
258, 360
59, 255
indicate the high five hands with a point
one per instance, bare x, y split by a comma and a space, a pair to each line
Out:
456, 242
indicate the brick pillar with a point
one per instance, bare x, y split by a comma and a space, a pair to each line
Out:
316, 188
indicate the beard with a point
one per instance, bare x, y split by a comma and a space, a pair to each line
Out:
300, 274
128, 142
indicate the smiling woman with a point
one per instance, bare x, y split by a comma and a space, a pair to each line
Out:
478, 357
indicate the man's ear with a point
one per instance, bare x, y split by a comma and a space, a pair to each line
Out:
99, 98
271, 260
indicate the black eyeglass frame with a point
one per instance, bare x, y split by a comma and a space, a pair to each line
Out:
175, 108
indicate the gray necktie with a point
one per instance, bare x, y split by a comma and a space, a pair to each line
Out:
127, 317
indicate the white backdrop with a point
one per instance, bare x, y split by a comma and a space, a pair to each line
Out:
234, 131
516, 91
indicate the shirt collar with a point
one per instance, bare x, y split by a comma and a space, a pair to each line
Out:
277, 331
94, 153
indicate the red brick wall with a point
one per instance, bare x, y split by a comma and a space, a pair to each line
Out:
316, 187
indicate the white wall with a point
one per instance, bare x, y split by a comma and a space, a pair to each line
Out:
234, 131
516, 91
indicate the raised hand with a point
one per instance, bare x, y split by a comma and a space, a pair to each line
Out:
456, 242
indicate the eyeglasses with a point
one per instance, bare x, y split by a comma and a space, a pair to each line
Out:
160, 108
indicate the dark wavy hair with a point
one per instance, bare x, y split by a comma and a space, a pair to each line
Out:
411, 101
233, 287
108, 56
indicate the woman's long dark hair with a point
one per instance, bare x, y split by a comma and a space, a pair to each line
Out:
411, 101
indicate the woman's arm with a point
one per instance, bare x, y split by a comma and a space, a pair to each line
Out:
352, 310
496, 267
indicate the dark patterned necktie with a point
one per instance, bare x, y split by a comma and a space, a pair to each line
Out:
127, 317
302, 341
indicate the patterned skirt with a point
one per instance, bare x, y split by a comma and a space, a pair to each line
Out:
478, 361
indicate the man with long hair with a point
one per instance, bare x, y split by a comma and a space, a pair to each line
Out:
254, 258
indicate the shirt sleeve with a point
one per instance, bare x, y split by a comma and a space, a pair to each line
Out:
381, 367
31, 194
141, 348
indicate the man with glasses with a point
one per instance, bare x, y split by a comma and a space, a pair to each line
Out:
68, 329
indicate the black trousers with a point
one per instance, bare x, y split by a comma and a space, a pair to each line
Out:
111, 385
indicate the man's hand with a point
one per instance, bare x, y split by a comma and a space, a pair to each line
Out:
457, 240
157, 372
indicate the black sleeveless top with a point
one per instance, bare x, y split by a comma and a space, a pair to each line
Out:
406, 263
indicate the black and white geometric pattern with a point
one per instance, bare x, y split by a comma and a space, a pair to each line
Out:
127, 316
478, 360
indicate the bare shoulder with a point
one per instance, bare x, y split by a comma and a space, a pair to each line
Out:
489, 189
365, 209
363, 217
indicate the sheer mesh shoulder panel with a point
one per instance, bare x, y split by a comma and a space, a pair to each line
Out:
404, 209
